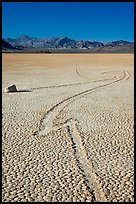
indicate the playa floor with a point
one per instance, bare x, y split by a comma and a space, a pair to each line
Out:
67, 133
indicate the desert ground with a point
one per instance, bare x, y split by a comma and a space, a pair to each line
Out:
67, 133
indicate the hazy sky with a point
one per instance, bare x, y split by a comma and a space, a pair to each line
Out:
100, 21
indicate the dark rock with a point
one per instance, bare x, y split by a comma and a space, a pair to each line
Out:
11, 88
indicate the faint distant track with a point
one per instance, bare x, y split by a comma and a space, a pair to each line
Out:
85, 77
105, 79
77, 71
110, 71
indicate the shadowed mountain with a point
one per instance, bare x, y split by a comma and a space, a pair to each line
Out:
6, 45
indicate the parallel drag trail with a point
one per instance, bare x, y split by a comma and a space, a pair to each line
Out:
74, 84
52, 112
62, 85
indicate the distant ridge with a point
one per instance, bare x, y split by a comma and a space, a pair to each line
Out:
65, 43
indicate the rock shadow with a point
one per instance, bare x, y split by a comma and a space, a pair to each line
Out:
23, 91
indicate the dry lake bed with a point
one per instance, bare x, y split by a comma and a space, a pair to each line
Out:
67, 133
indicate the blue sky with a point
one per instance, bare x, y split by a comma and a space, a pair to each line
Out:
100, 21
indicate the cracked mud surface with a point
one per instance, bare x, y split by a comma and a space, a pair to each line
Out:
68, 132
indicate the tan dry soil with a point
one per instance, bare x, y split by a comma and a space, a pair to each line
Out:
67, 134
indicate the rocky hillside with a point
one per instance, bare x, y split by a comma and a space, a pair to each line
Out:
6, 45
63, 43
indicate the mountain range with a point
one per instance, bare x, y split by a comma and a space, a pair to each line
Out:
65, 43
